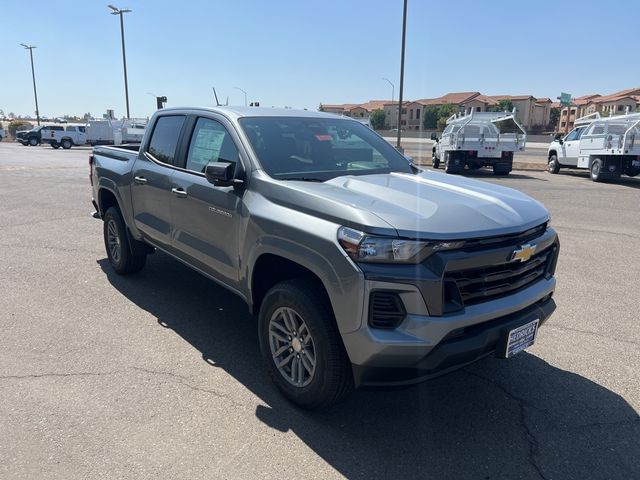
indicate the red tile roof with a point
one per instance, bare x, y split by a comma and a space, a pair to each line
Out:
456, 98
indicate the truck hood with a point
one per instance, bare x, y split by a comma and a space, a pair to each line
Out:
426, 205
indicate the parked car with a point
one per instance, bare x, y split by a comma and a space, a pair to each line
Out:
474, 141
33, 137
2, 134
363, 269
607, 146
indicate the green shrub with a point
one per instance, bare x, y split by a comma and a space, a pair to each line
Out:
16, 125
377, 119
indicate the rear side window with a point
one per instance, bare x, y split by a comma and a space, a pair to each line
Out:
164, 140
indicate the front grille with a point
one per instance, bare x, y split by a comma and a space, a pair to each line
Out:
505, 240
386, 310
481, 284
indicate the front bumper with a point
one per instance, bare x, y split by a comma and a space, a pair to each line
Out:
437, 336
424, 347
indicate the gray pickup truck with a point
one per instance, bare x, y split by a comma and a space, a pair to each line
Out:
363, 269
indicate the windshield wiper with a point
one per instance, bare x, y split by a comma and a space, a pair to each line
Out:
303, 179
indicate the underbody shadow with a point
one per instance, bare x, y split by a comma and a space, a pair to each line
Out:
517, 418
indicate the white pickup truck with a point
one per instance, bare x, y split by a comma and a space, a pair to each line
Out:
607, 146
477, 140
70, 136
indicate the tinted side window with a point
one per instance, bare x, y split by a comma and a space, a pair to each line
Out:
210, 142
164, 140
572, 136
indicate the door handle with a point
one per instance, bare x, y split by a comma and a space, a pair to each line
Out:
179, 192
139, 180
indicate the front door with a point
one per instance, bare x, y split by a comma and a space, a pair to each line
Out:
571, 148
152, 182
206, 218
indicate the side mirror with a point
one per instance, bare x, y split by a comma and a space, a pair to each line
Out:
220, 174
434, 136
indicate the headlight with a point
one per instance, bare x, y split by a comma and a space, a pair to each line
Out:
363, 248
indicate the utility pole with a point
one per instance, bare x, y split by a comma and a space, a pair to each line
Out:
121, 12
404, 35
33, 76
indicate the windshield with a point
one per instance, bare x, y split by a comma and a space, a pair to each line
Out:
320, 149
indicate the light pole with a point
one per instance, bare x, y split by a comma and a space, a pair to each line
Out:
121, 12
245, 95
404, 35
33, 75
393, 87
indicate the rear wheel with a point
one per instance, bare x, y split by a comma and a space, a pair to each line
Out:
301, 345
596, 170
449, 164
116, 242
501, 170
66, 144
553, 166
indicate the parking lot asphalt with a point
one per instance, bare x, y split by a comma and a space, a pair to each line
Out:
158, 375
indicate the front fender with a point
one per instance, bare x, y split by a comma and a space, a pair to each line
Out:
315, 248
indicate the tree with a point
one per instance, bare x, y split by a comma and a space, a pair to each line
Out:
320, 109
376, 119
87, 116
444, 112
430, 116
504, 105
554, 117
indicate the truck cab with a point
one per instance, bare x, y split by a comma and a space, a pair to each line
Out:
565, 150
70, 136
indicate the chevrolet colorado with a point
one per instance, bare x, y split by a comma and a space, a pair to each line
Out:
363, 269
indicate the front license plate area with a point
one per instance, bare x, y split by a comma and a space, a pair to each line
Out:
521, 338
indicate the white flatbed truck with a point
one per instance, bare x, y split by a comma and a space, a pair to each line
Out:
607, 146
477, 140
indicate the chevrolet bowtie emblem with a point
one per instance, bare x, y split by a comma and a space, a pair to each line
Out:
523, 253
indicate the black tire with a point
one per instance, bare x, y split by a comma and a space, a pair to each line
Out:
596, 170
552, 165
33, 141
499, 170
449, 167
55, 145
435, 161
122, 259
332, 379
632, 171
67, 144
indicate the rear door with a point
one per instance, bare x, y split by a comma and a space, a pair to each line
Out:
151, 183
206, 217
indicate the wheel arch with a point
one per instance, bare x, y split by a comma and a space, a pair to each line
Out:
270, 269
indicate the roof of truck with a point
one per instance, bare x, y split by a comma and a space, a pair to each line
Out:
240, 112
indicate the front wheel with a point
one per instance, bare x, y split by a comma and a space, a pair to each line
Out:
116, 242
553, 166
301, 345
33, 141
66, 144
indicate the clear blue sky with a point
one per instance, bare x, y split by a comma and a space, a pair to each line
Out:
300, 53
